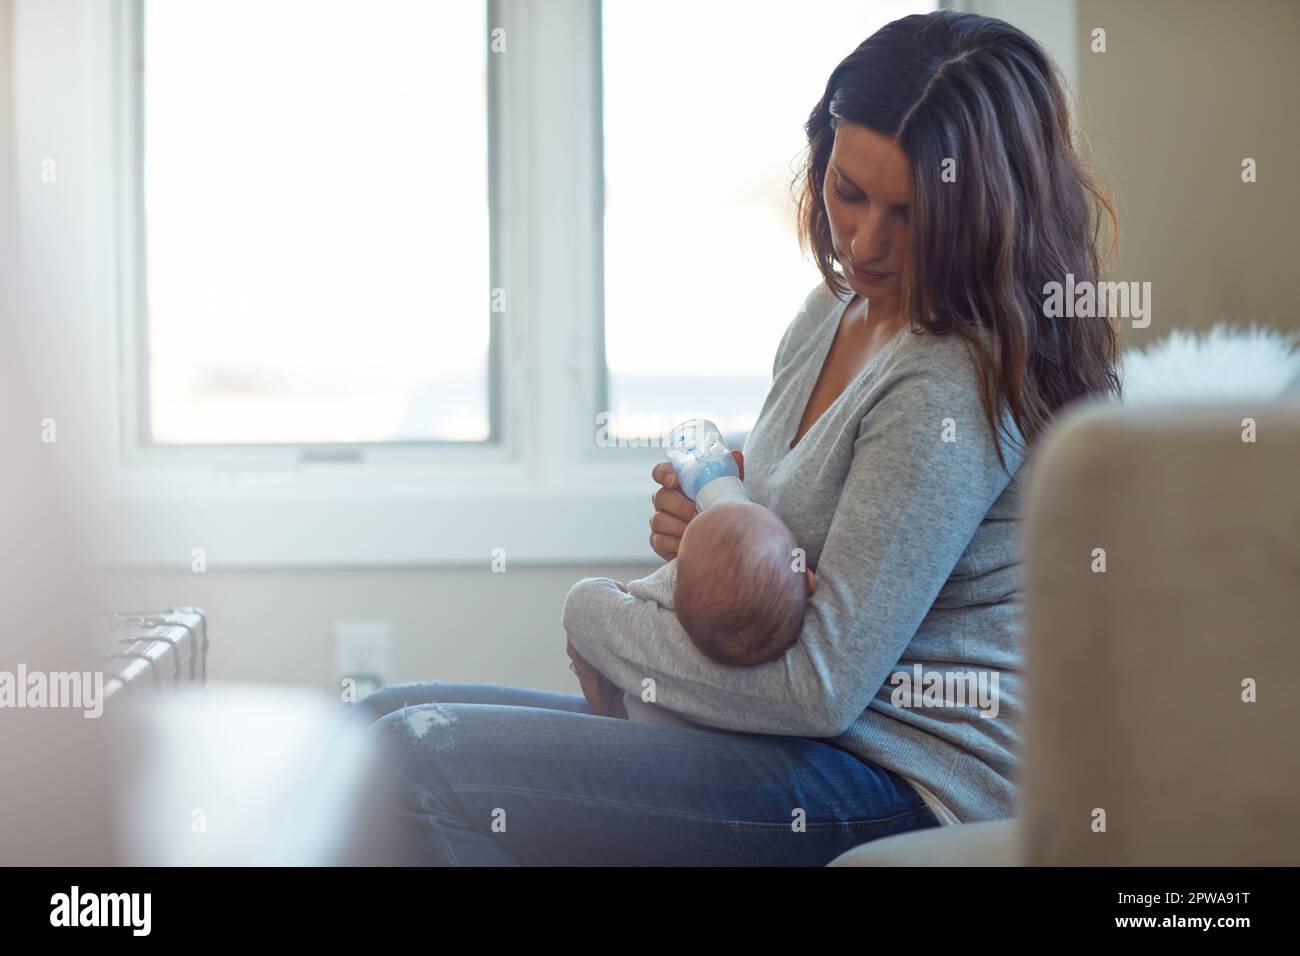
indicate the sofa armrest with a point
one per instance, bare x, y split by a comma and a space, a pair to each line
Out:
988, 843
1135, 674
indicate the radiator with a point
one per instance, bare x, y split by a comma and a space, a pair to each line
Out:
156, 650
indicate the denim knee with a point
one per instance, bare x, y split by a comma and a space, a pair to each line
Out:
386, 700
416, 728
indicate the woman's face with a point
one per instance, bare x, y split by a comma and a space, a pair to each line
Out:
868, 196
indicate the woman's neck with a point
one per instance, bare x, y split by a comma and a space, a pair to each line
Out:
877, 317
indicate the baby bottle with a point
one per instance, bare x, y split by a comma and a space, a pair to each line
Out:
704, 464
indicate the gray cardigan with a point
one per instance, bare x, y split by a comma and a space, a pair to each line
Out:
911, 524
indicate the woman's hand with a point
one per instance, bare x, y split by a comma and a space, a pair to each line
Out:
673, 510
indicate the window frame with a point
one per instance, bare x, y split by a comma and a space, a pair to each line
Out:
138, 445
400, 504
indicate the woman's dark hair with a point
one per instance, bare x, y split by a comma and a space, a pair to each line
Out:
1024, 210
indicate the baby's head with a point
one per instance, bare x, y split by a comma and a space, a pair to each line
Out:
737, 594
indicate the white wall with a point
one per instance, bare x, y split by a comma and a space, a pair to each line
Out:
464, 624
54, 768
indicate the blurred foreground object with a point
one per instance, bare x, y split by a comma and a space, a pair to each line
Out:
247, 775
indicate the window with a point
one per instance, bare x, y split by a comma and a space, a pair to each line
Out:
704, 105
316, 223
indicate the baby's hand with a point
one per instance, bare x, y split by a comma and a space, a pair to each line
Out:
612, 698
604, 698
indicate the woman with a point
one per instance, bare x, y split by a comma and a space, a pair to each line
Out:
940, 193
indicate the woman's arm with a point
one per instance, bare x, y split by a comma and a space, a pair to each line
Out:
909, 507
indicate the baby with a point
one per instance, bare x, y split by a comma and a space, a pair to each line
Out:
734, 587
736, 592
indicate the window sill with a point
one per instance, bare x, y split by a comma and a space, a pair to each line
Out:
357, 516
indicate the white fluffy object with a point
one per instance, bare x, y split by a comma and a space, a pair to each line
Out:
1224, 363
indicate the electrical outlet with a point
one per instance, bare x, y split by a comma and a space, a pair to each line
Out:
363, 651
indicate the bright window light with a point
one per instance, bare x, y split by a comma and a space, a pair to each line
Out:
704, 105
316, 221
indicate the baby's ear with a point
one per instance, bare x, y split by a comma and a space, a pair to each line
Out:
812, 581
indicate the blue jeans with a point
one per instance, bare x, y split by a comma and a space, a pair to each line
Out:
481, 775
